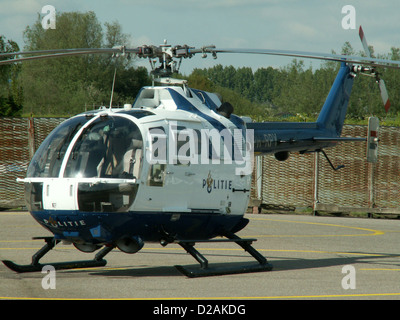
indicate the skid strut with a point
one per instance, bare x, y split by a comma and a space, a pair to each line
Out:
51, 242
232, 268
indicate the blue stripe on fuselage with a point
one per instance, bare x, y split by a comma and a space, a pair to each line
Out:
203, 95
237, 121
103, 227
183, 104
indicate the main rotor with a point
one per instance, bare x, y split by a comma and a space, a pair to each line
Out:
169, 58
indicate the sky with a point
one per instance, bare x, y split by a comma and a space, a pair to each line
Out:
303, 25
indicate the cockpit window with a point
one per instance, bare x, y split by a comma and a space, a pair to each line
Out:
138, 113
110, 147
47, 160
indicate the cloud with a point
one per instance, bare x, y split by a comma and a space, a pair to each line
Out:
310, 25
16, 15
21, 7
302, 30
141, 40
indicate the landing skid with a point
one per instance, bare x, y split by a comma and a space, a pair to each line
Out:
188, 245
205, 270
51, 242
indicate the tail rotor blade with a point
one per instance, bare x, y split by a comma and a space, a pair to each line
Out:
384, 94
381, 83
364, 42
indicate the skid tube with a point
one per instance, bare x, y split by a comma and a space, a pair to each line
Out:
51, 242
205, 270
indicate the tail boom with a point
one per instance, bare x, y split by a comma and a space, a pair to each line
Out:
273, 137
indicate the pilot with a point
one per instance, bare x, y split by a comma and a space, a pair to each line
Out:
115, 149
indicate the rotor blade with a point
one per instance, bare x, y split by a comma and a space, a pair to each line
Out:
384, 94
54, 53
45, 56
209, 49
314, 55
50, 51
364, 42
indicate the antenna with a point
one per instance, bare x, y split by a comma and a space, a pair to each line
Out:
112, 89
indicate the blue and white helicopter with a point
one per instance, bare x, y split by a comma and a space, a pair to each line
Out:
174, 167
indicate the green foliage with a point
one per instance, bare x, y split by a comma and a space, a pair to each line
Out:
276, 91
297, 93
11, 93
69, 85
242, 105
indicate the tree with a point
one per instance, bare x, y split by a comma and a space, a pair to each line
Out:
11, 93
130, 81
265, 82
244, 82
68, 85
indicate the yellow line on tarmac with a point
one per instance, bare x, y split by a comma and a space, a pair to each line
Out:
286, 297
378, 269
11, 213
32, 248
224, 249
276, 250
372, 231
11, 241
317, 296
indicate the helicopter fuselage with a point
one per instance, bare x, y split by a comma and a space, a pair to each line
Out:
159, 170
171, 167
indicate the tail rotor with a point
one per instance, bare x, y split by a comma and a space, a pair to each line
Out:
379, 81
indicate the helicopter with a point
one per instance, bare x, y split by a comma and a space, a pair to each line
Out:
172, 168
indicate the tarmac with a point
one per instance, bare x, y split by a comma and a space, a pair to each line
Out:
313, 257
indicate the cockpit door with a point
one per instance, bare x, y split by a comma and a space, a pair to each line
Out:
59, 194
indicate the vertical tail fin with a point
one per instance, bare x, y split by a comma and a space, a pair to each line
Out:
333, 112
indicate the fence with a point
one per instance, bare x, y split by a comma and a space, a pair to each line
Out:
309, 181
359, 186
19, 138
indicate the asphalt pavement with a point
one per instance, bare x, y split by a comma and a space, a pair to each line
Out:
313, 258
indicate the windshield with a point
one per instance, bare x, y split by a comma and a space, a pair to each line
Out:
110, 147
47, 160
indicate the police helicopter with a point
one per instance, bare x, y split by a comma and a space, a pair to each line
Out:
174, 167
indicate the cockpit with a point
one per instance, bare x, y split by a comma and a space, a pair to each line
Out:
110, 147
95, 159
